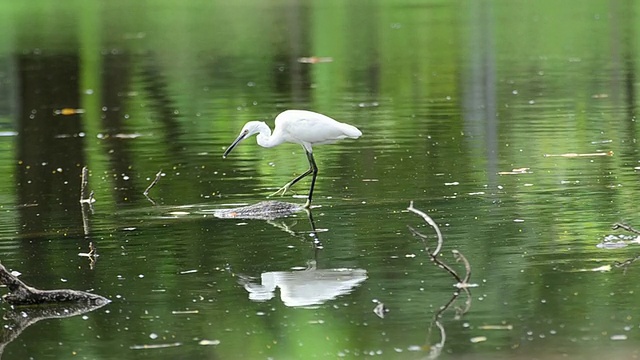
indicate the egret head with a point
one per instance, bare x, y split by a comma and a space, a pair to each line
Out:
250, 128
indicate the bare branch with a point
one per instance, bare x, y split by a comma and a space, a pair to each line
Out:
625, 227
422, 237
433, 224
446, 267
153, 183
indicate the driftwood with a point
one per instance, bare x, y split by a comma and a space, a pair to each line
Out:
264, 210
23, 294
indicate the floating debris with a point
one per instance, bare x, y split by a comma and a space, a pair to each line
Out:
517, 171
126, 136
314, 60
495, 327
188, 271
92, 252
179, 213
68, 111
464, 285
370, 104
119, 136
574, 155
154, 346
183, 312
208, 342
478, 339
380, 310
603, 268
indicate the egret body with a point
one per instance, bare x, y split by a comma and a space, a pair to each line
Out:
303, 127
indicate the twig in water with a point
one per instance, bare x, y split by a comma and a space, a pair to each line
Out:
92, 255
84, 183
467, 267
447, 268
433, 255
433, 224
84, 210
625, 264
625, 227
436, 349
462, 284
85, 200
153, 183
422, 237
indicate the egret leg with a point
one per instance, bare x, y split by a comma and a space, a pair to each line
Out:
313, 169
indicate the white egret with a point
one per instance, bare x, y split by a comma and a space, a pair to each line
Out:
303, 127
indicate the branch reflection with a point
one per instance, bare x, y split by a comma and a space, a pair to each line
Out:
18, 319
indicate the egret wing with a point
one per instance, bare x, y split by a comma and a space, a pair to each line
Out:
301, 126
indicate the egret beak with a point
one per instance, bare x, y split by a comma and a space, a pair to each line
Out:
242, 136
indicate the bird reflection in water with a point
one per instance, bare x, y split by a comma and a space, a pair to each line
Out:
298, 288
308, 287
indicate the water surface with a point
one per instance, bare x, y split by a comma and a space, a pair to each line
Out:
512, 124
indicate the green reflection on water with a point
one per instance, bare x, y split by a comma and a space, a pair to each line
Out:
448, 96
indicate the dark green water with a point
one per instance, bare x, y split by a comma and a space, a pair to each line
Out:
470, 109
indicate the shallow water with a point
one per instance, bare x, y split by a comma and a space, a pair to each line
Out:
512, 124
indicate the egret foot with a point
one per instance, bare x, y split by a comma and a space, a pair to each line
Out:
282, 190
307, 205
